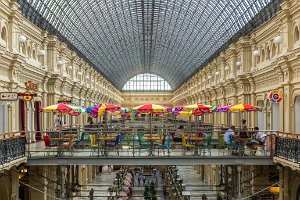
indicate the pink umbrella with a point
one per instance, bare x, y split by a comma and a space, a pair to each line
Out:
126, 183
223, 108
128, 174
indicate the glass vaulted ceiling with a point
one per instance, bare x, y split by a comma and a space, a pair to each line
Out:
170, 38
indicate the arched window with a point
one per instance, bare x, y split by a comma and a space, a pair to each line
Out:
23, 49
273, 50
147, 82
29, 52
268, 53
296, 34
3, 34
263, 55
33, 54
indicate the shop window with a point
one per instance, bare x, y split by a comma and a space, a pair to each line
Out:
296, 35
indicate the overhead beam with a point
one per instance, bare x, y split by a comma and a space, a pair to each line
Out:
186, 160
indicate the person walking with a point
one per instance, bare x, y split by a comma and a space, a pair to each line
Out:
92, 194
144, 180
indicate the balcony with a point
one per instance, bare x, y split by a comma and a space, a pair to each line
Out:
12, 149
287, 150
138, 145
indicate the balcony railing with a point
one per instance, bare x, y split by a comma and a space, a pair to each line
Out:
12, 146
288, 147
201, 140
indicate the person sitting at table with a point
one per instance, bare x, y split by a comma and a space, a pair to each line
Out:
178, 134
258, 139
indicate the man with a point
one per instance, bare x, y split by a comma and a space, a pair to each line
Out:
229, 135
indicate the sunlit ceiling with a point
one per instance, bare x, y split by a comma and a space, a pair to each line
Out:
169, 38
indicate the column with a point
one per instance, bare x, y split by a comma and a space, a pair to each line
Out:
62, 182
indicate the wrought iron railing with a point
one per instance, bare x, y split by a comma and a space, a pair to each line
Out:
288, 147
12, 146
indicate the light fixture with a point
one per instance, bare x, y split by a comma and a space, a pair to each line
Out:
60, 62
209, 77
79, 73
278, 39
87, 77
22, 38
256, 53
226, 68
41, 52
217, 73
238, 63
70, 67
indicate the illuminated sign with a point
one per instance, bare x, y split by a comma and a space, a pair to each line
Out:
8, 96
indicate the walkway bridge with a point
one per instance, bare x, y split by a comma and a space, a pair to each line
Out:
152, 146
110, 148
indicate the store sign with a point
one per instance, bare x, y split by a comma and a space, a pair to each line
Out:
8, 96
31, 86
64, 101
27, 96
275, 96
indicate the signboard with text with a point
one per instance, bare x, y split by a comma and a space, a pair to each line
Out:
8, 96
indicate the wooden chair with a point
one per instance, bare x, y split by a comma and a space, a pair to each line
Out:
69, 145
48, 144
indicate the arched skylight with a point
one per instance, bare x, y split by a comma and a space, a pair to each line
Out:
146, 82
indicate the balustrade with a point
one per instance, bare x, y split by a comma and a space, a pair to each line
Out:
12, 147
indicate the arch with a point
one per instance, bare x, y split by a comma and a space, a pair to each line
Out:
146, 82
4, 187
297, 114
296, 34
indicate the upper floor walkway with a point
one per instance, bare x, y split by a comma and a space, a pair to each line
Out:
159, 145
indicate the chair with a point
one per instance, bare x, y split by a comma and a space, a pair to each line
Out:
222, 145
115, 144
69, 144
141, 144
80, 142
47, 143
232, 146
166, 145
185, 145
94, 145
206, 145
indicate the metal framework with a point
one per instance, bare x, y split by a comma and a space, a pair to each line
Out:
170, 38
146, 82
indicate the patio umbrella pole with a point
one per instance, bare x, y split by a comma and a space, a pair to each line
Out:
151, 134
